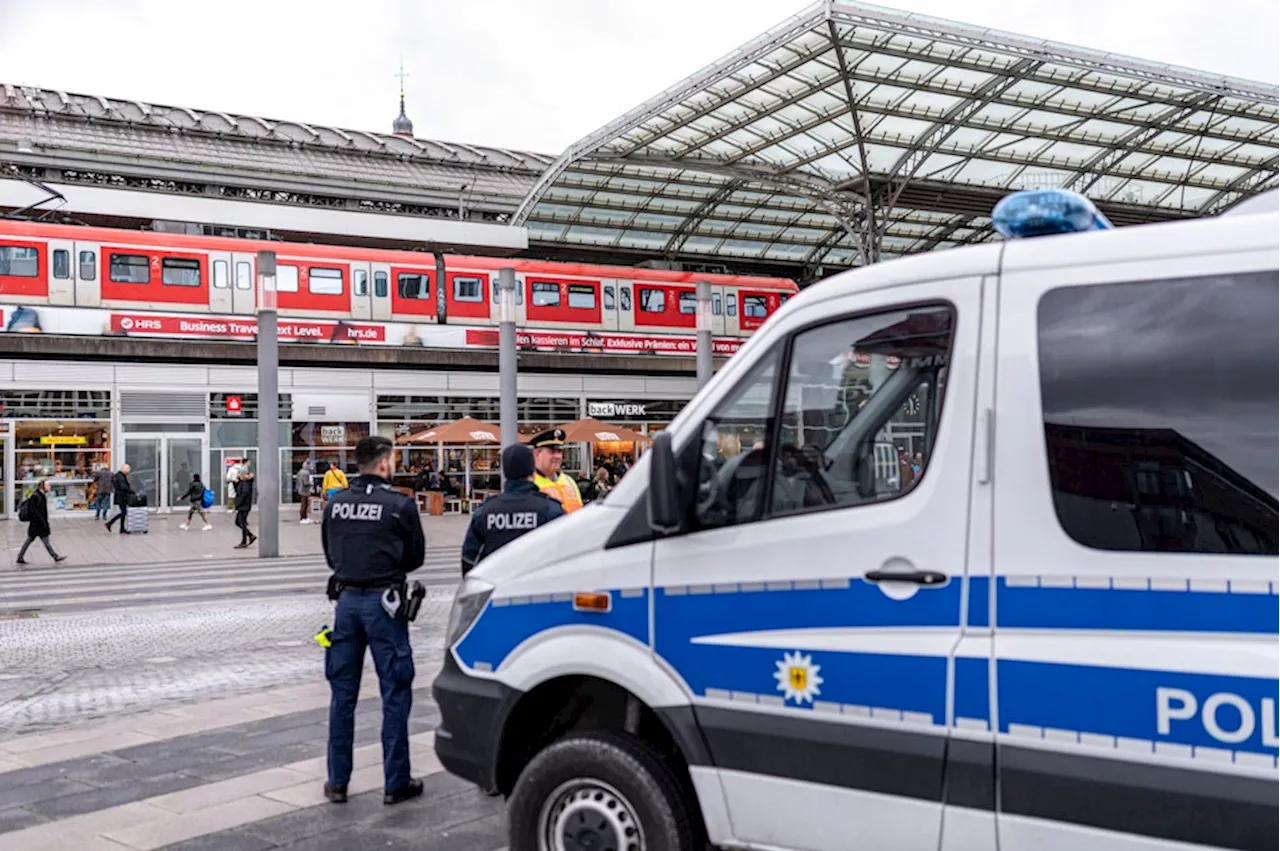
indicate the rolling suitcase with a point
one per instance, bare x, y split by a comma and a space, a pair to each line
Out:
136, 519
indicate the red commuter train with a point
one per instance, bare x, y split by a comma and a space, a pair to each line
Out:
72, 266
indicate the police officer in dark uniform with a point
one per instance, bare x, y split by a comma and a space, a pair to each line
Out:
372, 538
520, 508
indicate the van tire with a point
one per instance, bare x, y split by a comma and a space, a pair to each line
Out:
619, 766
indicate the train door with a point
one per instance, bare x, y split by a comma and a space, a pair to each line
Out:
244, 288
626, 308
84, 269
717, 311
220, 278
62, 285
361, 292
380, 290
609, 304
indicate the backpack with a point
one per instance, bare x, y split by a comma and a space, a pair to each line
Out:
206, 500
24, 510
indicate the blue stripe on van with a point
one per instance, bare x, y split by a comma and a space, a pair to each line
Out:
1034, 607
1064, 699
500, 629
973, 690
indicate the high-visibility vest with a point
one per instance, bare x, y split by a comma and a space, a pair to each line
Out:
564, 490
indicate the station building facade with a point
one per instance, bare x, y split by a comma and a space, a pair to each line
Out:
64, 420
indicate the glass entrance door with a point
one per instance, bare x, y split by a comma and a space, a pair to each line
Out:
163, 466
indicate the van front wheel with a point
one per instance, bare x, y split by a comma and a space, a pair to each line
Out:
604, 791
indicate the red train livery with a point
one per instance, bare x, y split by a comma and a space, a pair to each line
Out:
63, 265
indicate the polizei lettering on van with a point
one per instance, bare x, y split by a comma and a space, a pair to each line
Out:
518, 520
358, 511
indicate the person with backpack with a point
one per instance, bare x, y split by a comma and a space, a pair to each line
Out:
195, 495
34, 511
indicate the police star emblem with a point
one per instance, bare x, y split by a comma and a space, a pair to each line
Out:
798, 678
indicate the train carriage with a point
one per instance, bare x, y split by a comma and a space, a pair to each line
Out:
70, 266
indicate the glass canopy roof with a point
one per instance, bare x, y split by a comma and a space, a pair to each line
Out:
850, 133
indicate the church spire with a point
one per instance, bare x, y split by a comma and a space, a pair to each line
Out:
402, 126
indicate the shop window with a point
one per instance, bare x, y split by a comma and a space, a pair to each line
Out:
468, 289
582, 297
688, 303
545, 294
180, 272
244, 277
130, 269
88, 266
221, 276
19, 262
360, 283
324, 281
413, 286
61, 263
651, 301
66, 452
286, 278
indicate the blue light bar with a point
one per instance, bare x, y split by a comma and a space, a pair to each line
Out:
1041, 212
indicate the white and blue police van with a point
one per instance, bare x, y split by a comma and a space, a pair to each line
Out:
1058, 633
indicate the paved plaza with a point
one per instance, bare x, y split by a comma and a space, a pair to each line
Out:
164, 691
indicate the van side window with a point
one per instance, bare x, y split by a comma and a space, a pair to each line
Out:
733, 456
1160, 413
862, 402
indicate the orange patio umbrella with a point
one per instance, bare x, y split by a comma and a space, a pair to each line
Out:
594, 431
466, 431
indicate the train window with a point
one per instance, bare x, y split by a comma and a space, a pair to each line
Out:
582, 297
609, 301
755, 306
716, 306
221, 276
88, 265
286, 279
61, 263
244, 277
731, 305
625, 292
380, 285
324, 281
413, 286
180, 272
360, 282
130, 269
688, 302
19, 262
468, 289
652, 301
545, 295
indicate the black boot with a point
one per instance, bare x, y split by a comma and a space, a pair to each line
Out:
409, 791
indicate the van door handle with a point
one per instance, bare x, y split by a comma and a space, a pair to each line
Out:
918, 577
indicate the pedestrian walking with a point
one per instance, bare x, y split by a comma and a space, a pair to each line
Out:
195, 497
302, 485
244, 502
124, 497
372, 539
334, 480
35, 511
519, 509
102, 492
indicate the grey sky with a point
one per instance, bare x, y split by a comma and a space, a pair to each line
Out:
531, 74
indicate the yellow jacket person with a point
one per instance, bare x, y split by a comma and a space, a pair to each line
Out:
548, 455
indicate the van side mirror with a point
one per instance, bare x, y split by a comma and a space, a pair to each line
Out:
665, 511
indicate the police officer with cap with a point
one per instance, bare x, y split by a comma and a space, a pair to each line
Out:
520, 508
372, 538
548, 455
